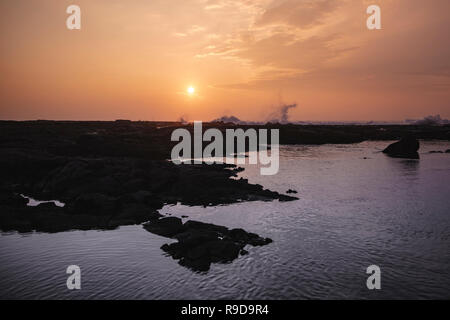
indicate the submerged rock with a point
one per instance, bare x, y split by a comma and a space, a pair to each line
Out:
407, 147
200, 244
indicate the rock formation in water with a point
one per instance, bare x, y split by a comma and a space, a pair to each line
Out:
407, 147
200, 244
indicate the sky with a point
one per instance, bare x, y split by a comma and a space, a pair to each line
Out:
136, 59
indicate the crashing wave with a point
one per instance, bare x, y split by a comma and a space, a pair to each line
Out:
429, 121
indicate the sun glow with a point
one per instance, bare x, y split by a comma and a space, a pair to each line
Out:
190, 90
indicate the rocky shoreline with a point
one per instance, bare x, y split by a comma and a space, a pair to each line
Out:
107, 182
110, 174
116, 173
107, 193
200, 244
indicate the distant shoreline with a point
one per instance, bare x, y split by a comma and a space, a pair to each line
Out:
152, 139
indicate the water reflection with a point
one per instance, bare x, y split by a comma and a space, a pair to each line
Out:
408, 167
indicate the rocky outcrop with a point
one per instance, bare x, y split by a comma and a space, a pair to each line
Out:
107, 175
166, 227
99, 193
201, 244
407, 147
15, 215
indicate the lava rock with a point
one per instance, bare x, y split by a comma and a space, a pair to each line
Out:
94, 204
137, 213
201, 244
12, 199
243, 252
407, 147
167, 227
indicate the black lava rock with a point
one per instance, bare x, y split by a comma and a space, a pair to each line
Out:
200, 244
167, 227
407, 147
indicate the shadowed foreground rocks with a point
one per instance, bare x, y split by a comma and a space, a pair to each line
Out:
107, 174
200, 244
107, 193
407, 147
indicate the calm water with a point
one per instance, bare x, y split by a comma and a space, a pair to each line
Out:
352, 213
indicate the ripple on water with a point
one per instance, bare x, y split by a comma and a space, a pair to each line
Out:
352, 212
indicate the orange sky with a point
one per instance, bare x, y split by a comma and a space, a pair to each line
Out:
134, 59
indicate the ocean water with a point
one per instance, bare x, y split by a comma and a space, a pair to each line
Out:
356, 208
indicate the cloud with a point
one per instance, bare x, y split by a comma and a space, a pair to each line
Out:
299, 13
144, 52
190, 31
277, 42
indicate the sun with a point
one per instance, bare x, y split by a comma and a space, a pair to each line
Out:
190, 90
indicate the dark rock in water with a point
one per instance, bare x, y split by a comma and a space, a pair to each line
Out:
134, 213
167, 227
407, 147
202, 226
434, 151
447, 151
200, 244
291, 191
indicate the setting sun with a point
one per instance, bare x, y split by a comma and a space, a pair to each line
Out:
190, 90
